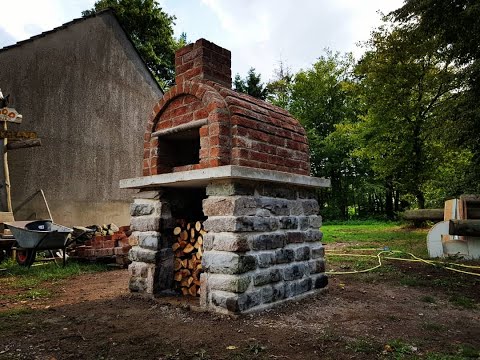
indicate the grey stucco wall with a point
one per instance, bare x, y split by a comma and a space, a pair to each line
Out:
87, 94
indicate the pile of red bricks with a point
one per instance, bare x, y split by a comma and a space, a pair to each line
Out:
114, 247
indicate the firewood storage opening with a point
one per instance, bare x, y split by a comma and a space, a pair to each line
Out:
226, 209
187, 244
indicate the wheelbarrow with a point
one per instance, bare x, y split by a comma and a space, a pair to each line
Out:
32, 236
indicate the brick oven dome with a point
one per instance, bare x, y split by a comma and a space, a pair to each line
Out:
202, 123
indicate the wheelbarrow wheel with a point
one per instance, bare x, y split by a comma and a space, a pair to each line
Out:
25, 257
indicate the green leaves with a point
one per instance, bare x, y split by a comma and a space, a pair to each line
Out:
251, 85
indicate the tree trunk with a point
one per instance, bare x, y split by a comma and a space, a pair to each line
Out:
389, 199
397, 201
420, 199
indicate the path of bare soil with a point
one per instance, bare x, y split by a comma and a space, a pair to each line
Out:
94, 317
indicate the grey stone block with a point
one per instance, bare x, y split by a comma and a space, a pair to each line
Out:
316, 266
140, 269
284, 256
245, 301
317, 251
141, 209
313, 235
267, 241
208, 240
302, 253
240, 224
137, 284
145, 223
222, 188
236, 303
275, 191
267, 294
303, 286
295, 237
278, 291
297, 287
222, 262
315, 221
230, 283
303, 223
276, 207
266, 259
262, 213
288, 222
267, 277
296, 208
265, 223
294, 271
224, 241
137, 253
219, 298
151, 240
310, 207
319, 281
229, 206
305, 193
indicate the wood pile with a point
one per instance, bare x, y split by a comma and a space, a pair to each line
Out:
188, 256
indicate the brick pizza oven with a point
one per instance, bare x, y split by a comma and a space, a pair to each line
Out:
241, 167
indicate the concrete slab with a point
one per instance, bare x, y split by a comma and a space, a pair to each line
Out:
202, 177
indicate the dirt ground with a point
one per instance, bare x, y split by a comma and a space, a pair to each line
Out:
94, 317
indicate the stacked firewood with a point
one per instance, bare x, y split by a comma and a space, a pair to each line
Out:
188, 256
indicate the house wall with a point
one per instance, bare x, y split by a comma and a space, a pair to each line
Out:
87, 94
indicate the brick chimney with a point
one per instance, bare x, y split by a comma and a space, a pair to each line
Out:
204, 61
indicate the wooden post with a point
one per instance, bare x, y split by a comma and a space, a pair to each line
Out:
464, 227
6, 171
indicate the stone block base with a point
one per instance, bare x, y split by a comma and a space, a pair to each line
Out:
263, 245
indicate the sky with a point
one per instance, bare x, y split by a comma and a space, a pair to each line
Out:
259, 33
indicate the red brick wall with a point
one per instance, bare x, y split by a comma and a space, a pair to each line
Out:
265, 138
241, 130
181, 110
203, 61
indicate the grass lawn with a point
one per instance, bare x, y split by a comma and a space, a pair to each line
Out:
373, 234
352, 249
20, 283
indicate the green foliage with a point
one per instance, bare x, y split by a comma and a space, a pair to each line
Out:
251, 85
16, 276
280, 89
404, 86
455, 25
151, 30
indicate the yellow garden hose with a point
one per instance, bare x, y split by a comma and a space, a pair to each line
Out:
413, 259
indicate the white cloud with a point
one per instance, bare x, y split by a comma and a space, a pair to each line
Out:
258, 32
27, 18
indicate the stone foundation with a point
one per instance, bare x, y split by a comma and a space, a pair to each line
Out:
151, 270
262, 247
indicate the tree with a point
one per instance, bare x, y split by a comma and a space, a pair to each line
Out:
456, 27
280, 89
406, 87
321, 98
251, 85
151, 30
